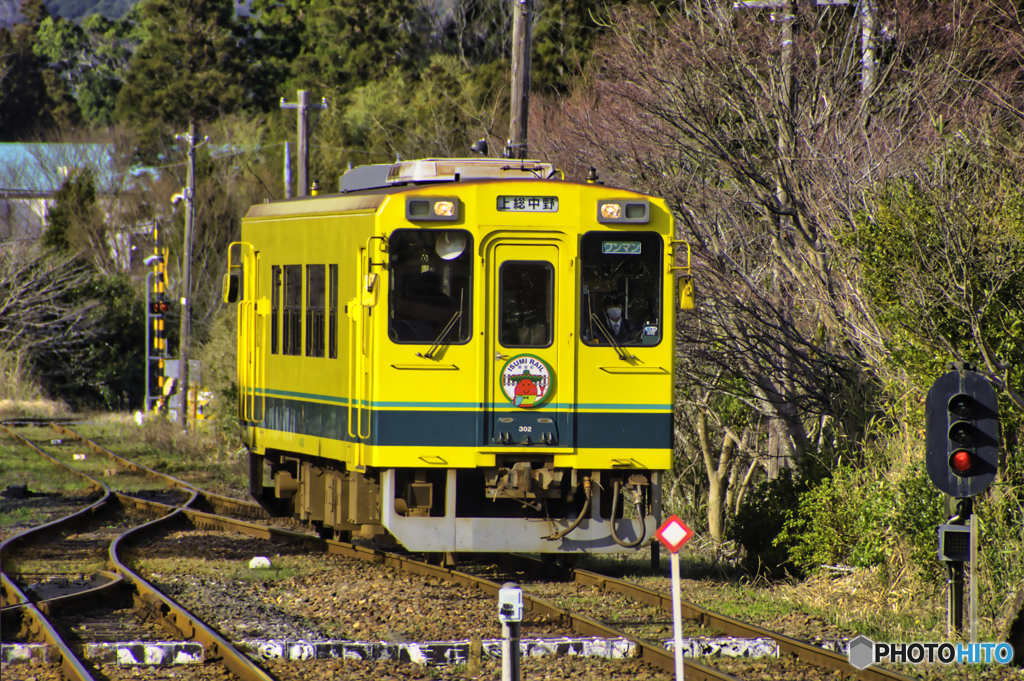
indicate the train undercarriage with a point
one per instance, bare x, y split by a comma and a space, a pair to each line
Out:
523, 504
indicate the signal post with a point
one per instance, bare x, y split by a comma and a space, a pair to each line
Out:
962, 457
673, 533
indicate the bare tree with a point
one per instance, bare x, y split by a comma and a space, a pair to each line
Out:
769, 191
691, 106
41, 307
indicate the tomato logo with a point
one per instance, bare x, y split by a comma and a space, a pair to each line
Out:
526, 381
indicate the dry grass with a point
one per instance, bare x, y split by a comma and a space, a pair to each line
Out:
35, 408
867, 601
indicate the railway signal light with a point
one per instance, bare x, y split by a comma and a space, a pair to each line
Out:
158, 307
962, 437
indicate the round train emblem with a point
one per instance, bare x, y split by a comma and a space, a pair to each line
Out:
526, 381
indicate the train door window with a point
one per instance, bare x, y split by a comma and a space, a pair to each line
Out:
526, 304
315, 309
621, 288
431, 276
291, 336
275, 307
332, 323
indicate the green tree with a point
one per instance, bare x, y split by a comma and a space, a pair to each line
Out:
188, 69
440, 114
26, 103
106, 369
564, 34
941, 252
74, 204
90, 60
333, 46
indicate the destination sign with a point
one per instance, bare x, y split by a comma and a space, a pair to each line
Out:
528, 204
620, 247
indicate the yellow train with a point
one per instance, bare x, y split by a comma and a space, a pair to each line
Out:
464, 354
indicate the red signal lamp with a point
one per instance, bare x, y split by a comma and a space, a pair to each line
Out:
160, 307
961, 461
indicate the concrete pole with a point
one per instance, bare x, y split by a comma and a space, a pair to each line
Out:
869, 58
287, 171
787, 137
303, 154
521, 53
186, 281
302, 160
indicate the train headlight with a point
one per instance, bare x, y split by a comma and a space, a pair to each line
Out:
431, 208
624, 210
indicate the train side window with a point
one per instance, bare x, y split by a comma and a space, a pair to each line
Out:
430, 287
292, 317
526, 304
315, 308
621, 288
332, 323
275, 307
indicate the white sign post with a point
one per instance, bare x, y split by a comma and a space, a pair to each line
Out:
673, 533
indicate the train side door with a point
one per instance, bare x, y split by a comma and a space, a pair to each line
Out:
243, 285
522, 346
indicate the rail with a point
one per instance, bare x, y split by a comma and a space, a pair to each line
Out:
804, 651
220, 502
214, 645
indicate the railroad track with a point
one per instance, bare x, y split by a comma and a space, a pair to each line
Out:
648, 651
35, 616
207, 501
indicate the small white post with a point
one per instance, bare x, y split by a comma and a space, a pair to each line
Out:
510, 612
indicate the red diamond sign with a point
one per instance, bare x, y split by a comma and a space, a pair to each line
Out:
673, 533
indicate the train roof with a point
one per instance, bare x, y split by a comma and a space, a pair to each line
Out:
366, 187
438, 170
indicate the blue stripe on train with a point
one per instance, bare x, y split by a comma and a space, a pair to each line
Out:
437, 428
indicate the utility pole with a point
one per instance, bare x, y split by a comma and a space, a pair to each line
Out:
303, 107
287, 171
785, 14
787, 131
522, 18
186, 277
868, 50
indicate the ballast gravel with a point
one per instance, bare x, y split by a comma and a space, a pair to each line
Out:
563, 668
315, 597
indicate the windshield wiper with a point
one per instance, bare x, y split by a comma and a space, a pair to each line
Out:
429, 354
623, 355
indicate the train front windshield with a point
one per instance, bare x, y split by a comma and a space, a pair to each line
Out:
621, 288
431, 278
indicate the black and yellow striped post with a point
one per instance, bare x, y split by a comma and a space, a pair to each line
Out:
156, 307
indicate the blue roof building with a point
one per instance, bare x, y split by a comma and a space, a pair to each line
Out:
31, 175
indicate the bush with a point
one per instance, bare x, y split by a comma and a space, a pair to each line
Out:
760, 521
839, 521
218, 356
916, 516
865, 517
